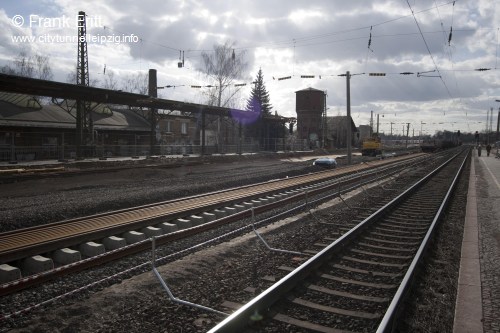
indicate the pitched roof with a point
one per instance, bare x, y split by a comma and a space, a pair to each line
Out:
310, 89
22, 100
341, 120
54, 116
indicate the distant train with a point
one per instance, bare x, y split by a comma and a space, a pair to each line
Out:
430, 146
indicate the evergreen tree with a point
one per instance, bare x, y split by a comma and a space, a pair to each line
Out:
259, 97
258, 102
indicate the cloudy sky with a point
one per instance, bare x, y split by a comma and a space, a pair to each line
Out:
323, 38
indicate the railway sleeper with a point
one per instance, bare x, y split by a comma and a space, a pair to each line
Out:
374, 263
413, 216
390, 256
39, 263
404, 220
387, 248
364, 271
411, 226
395, 236
358, 283
9, 273
330, 309
347, 294
381, 240
305, 324
404, 232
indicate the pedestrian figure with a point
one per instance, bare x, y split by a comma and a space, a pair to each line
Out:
488, 149
479, 150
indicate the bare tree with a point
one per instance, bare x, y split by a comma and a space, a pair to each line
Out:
71, 78
6, 69
23, 65
223, 66
35, 66
136, 83
110, 81
42, 67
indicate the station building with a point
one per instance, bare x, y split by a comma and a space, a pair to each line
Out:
30, 130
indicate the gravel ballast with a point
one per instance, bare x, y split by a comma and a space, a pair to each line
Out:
231, 271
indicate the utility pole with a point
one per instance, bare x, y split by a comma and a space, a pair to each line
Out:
391, 129
202, 131
491, 125
407, 132
487, 124
371, 124
84, 127
498, 123
421, 123
152, 92
325, 119
348, 97
377, 123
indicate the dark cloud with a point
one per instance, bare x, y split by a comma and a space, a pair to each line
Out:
293, 37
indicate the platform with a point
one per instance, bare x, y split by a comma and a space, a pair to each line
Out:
478, 296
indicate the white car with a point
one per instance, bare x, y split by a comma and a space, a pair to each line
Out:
326, 162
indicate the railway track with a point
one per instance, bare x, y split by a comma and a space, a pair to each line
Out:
356, 283
20, 244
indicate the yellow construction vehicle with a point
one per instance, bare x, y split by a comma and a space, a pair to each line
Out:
371, 146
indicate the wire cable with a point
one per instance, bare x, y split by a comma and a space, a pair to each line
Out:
428, 50
496, 54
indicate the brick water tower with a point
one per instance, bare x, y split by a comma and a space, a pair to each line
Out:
310, 105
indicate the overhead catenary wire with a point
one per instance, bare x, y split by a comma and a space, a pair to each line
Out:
304, 40
428, 49
451, 26
368, 49
450, 54
144, 40
314, 40
496, 53
323, 76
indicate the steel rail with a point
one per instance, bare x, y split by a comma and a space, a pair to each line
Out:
260, 304
387, 322
21, 243
266, 220
145, 245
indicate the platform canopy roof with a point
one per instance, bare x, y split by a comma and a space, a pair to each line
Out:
36, 87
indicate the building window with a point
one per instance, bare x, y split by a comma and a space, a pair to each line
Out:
168, 126
184, 128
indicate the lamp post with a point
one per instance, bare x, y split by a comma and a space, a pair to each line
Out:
498, 120
348, 95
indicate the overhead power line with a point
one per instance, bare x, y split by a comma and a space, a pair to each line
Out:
304, 40
428, 49
323, 76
